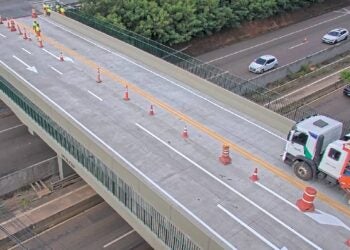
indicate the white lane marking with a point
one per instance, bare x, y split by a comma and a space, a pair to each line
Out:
3, 35
168, 80
54, 69
322, 217
298, 45
253, 231
119, 238
228, 244
28, 52
51, 54
95, 95
275, 39
30, 68
68, 59
306, 86
230, 188
5, 130
55, 226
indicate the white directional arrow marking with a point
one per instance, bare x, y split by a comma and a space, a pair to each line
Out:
31, 68
327, 219
66, 58
3, 35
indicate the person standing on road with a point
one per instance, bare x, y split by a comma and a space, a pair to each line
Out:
48, 11
61, 11
35, 23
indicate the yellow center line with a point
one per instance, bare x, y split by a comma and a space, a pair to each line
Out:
274, 169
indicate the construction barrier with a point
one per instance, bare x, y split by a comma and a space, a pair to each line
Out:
98, 79
254, 176
225, 156
126, 94
151, 111
185, 133
305, 204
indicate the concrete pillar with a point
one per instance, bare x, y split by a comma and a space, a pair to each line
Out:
64, 169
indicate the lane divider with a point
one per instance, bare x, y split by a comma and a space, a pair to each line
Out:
243, 152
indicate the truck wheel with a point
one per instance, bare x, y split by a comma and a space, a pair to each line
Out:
303, 170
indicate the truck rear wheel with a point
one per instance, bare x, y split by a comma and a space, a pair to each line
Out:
303, 170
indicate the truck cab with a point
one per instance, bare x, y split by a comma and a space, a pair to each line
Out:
307, 142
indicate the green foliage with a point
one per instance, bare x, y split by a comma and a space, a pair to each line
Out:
176, 21
345, 75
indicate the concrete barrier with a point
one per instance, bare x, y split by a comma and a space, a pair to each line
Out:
23, 177
312, 59
226, 97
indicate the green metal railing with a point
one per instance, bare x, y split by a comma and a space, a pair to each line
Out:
248, 89
161, 226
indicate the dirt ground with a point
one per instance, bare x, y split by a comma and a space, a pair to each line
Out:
254, 28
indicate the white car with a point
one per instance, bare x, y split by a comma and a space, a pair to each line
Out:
263, 63
336, 35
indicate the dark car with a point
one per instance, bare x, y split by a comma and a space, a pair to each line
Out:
346, 90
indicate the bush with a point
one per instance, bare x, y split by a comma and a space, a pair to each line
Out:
345, 75
175, 21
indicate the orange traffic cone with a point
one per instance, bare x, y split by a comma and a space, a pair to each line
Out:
40, 41
98, 79
225, 156
254, 176
25, 34
34, 15
347, 243
185, 133
151, 111
13, 28
61, 57
126, 94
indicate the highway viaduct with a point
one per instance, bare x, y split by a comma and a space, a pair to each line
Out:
173, 191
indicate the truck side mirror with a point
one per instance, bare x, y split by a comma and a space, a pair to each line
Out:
291, 135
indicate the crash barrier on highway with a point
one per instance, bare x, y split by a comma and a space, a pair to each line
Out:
250, 90
148, 210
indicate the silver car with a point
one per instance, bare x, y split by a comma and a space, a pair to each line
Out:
263, 63
336, 35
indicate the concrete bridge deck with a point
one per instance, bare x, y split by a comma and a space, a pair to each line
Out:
235, 211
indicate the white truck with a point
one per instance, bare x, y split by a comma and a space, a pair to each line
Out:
314, 150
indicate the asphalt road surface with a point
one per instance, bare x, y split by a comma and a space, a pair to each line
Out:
18, 148
153, 145
287, 44
97, 228
334, 103
15, 8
